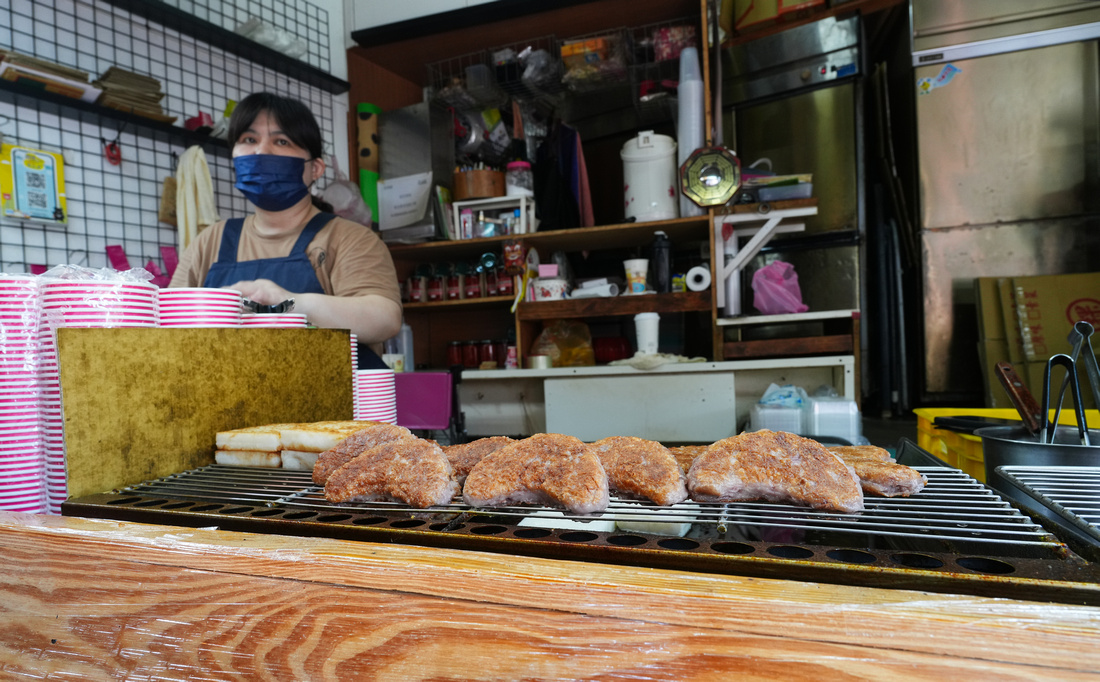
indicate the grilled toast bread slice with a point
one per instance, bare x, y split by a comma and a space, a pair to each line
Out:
319, 436
261, 438
248, 458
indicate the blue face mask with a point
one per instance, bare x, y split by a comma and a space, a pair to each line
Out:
270, 181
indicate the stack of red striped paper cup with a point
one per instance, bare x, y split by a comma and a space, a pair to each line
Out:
79, 303
22, 458
199, 307
281, 320
375, 396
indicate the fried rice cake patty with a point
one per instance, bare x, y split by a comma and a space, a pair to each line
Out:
777, 467
641, 468
867, 452
888, 479
464, 456
354, 445
686, 454
546, 468
408, 470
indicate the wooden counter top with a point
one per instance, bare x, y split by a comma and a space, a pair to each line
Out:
94, 599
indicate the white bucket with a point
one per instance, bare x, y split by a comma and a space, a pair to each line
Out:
650, 182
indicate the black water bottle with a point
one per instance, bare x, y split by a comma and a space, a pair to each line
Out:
660, 256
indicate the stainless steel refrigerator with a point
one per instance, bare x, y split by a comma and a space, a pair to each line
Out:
1007, 132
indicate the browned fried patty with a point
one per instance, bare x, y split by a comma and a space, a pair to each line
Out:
878, 473
777, 467
464, 456
871, 452
408, 470
546, 468
354, 445
888, 479
641, 468
686, 454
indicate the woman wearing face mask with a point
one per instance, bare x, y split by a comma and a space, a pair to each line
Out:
339, 273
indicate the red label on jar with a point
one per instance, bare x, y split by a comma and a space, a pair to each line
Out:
473, 287
435, 289
454, 288
415, 289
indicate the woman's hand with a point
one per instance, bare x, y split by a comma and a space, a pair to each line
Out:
371, 318
262, 291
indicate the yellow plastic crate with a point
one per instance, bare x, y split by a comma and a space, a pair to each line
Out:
964, 451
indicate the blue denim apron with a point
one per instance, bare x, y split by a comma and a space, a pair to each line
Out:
294, 272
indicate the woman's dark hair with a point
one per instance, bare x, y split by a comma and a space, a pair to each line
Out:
293, 118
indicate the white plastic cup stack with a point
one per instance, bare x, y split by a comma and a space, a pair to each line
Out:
375, 395
200, 307
646, 326
22, 458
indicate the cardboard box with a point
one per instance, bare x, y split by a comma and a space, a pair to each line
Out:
990, 352
1011, 324
141, 403
749, 12
991, 319
1047, 307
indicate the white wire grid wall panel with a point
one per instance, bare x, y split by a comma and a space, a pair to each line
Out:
303, 20
111, 204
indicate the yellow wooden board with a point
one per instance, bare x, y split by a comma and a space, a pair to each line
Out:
144, 403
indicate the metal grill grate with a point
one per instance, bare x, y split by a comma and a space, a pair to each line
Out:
954, 508
1073, 492
956, 535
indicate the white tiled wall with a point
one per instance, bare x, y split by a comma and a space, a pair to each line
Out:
118, 204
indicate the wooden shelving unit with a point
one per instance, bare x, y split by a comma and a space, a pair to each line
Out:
680, 302
622, 235
806, 16
486, 303
388, 67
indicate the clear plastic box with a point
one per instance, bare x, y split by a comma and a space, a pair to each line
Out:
775, 418
833, 416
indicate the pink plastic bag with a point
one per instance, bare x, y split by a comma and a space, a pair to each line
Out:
776, 291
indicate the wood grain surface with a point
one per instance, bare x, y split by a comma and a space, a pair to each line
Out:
90, 599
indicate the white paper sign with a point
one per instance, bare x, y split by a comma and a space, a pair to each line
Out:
404, 201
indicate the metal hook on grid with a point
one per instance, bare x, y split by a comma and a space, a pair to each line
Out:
175, 161
4, 120
83, 257
111, 150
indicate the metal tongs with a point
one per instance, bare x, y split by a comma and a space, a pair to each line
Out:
284, 307
1080, 337
1050, 428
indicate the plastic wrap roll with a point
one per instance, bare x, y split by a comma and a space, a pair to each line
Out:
698, 278
603, 290
367, 126
689, 134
